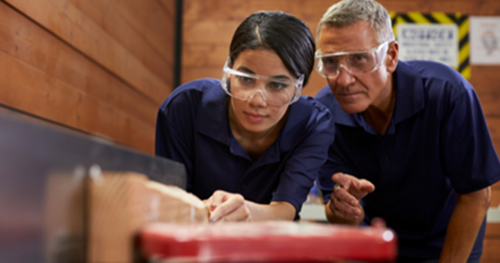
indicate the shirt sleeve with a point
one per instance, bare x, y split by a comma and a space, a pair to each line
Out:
469, 157
302, 167
175, 130
334, 164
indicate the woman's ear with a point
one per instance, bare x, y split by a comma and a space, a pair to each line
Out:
392, 56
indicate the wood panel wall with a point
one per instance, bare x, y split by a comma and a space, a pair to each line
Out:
208, 27
99, 66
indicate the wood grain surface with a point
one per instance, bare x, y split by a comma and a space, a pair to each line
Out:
120, 204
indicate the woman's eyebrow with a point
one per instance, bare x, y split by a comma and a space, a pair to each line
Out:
279, 77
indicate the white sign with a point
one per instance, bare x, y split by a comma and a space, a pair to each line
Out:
484, 40
433, 42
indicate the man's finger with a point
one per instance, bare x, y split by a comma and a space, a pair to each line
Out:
345, 180
344, 196
340, 178
344, 210
366, 186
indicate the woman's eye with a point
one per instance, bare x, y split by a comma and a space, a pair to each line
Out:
278, 86
245, 80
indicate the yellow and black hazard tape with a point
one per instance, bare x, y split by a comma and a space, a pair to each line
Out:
461, 20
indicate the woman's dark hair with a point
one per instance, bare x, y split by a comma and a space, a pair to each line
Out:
287, 35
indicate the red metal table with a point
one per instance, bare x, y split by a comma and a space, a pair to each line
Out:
267, 242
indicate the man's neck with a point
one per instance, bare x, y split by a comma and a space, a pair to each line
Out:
378, 115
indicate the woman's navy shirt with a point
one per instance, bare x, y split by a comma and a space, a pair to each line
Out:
192, 128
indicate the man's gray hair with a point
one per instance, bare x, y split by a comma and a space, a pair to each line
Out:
348, 12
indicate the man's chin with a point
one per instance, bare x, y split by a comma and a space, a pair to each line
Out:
352, 108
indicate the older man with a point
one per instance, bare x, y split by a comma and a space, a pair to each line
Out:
411, 143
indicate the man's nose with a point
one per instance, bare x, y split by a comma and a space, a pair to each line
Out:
344, 77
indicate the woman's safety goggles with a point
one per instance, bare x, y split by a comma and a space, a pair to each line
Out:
274, 90
355, 62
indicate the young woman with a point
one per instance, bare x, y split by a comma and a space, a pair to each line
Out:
252, 146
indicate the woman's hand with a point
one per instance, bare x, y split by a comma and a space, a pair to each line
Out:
227, 207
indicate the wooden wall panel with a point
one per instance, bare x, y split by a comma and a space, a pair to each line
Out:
70, 24
208, 27
101, 67
132, 37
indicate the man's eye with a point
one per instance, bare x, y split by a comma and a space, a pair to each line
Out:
359, 58
330, 61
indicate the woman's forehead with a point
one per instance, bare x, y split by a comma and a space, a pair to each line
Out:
265, 62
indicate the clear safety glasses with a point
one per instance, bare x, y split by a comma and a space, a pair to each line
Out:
355, 62
275, 91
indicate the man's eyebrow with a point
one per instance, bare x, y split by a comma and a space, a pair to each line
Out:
279, 77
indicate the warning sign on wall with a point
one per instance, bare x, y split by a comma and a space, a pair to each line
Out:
436, 36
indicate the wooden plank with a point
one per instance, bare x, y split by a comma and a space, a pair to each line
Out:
495, 195
492, 230
208, 32
70, 24
190, 74
170, 7
121, 204
485, 78
489, 102
205, 55
149, 18
221, 10
494, 128
496, 186
490, 249
50, 55
111, 22
54, 100
315, 84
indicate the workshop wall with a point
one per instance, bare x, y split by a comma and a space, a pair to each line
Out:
98, 66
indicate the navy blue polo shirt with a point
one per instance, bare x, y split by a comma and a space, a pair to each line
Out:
192, 128
436, 145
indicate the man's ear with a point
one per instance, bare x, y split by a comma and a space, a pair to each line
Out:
392, 56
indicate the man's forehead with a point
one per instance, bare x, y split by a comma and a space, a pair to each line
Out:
355, 37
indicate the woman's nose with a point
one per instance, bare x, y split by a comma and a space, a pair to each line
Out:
258, 100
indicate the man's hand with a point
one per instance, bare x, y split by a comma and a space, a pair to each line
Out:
227, 207
344, 201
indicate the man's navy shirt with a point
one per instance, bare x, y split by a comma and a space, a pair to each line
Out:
436, 145
192, 128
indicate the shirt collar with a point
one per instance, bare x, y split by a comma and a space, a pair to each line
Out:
409, 92
409, 100
212, 114
300, 116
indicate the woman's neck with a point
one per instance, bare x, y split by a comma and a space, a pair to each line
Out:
254, 143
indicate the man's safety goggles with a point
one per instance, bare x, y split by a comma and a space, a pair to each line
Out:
355, 62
